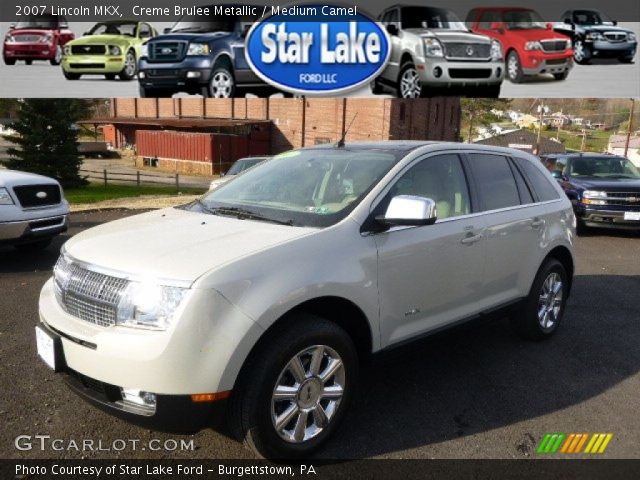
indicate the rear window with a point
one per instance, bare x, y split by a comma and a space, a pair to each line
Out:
495, 182
538, 180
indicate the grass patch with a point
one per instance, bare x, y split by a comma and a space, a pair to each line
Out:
94, 192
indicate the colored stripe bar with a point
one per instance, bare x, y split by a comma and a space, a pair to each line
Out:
543, 443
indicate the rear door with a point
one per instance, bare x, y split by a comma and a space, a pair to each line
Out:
515, 226
430, 276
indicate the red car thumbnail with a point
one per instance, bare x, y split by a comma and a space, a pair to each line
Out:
530, 45
39, 37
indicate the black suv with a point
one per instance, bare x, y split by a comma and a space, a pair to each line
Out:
595, 35
198, 57
604, 189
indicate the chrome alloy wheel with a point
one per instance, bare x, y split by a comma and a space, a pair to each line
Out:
130, 64
221, 85
513, 67
550, 301
307, 394
410, 84
578, 51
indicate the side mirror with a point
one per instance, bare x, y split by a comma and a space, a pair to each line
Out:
497, 26
245, 30
409, 210
167, 30
615, 22
568, 21
392, 29
63, 25
557, 174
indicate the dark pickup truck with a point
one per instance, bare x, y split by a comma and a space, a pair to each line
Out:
604, 189
198, 57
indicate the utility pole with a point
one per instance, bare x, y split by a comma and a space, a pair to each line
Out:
629, 127
542, 109
559, 125
584, 138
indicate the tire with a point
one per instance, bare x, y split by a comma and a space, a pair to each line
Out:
71, 75
561, 76
626, 59
154, 92
536, 320
58, 58
514, 67
222, 83
376, 87
409, 83
110, 76
28, 62
34, 246
581, 52
130, 67
253, 411
9, 61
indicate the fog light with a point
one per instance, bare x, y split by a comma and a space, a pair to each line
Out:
437, 72
498, 72
138, 397
193, 74
141, 75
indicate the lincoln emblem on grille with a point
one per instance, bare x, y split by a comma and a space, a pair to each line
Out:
41, 195
469, 51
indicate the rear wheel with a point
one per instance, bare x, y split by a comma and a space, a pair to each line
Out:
542, 311
581, 52
409, 83
130, 66
58, 57
514, 67
294, 390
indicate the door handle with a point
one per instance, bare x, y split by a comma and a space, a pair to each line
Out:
537, 222
471, 239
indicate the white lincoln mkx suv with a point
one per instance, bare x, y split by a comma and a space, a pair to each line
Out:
261, 299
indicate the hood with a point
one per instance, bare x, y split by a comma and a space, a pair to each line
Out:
450, 35
604, 28
102, 40
612, 184
30, 31
191, 37
220, 181
176, 244
535, 35
13, 177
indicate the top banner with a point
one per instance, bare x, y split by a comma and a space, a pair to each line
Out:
556, 49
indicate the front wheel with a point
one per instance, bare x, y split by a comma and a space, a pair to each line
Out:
58, 57
542, 311
514, 67
294, 390
581, 52
130, 67
9, 61
409, 83
627, 59
70, 75
222, 83
28, 62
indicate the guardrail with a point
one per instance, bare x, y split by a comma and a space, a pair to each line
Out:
139, 178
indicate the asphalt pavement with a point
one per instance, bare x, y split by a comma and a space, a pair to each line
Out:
475, 392
601, 79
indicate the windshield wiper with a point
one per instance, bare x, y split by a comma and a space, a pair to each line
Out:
242, 214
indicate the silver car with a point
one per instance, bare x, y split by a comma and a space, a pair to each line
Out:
431, 49
262, 299
32, 209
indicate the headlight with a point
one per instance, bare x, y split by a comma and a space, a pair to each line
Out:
67, 50
9, 38
114, 50
632, 37
144, 50
5, 198
433, 48
594, 36
594, 197
496, 50
149, 305
198, 49
46, 38
532, 46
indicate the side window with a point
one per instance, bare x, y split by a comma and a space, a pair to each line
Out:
487, 18
394, 17
145, 31
540, 183
523, 189
440, 178
495, 181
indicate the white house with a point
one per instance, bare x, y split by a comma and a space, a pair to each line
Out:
616, 146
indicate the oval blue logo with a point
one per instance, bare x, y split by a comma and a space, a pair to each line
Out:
321, 49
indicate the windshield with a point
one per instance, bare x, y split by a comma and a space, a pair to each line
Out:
243, 164
524, 20
426, 17
112, 28
314, 187
603, 167
591, 17
46, 22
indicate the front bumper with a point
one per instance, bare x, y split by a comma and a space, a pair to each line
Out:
25, 231
604, 49
99, 64
606, 216
29, 51
536, 63
189, 75
440, 72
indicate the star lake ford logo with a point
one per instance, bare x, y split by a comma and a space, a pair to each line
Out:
317, 48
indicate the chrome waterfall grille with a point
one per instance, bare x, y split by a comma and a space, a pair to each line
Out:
88, 295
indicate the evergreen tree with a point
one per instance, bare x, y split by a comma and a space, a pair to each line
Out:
46, 139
